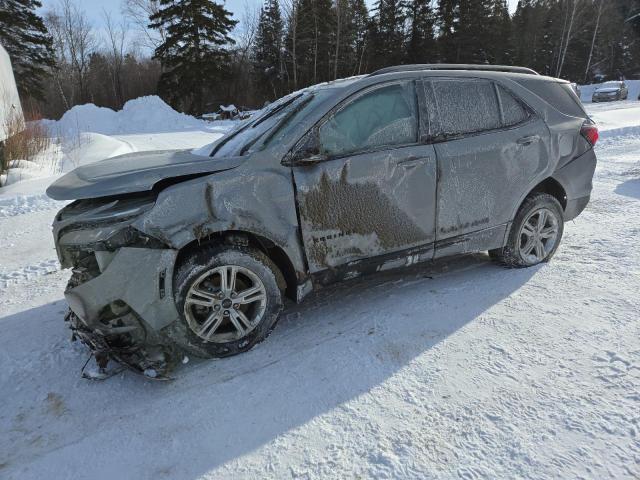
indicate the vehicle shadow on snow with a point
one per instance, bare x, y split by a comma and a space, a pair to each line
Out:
342, 342
630, 188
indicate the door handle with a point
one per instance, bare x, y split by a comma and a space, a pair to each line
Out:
527, 140
412, 162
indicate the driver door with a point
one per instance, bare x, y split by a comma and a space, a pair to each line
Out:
370, 188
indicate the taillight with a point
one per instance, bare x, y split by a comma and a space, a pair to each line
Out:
590, 132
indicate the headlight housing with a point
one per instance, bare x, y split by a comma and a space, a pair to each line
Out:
101, 225
105, 210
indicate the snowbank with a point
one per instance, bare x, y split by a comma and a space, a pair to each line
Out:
141, 115
618, 118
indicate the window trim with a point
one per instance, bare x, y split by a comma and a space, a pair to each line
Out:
440, 138
315, 130
525, 107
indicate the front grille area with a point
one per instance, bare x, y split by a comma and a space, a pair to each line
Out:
85, 267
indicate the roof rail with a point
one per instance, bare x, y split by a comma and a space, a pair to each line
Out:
454, 66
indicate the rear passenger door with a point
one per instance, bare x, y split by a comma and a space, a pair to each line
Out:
488, 146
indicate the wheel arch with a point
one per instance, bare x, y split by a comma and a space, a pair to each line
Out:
289, 281
551, 186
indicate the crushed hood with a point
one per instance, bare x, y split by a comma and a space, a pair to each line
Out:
135, 172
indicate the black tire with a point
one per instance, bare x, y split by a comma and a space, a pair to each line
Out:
196, 265
511, 254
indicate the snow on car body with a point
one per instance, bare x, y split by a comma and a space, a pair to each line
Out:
176, 251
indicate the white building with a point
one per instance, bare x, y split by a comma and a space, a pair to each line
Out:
9, 100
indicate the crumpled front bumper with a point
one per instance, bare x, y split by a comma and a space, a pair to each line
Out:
139, 277
121, 290
119, 314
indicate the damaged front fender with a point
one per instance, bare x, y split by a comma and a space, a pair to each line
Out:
258, 200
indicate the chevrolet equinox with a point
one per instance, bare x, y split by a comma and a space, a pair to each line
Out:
177, 252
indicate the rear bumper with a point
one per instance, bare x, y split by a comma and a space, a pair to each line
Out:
575, 207
576, 177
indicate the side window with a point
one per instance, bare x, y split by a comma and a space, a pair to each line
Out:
512, 111
466, 106
383, 117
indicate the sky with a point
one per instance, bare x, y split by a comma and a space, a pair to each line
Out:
94, 8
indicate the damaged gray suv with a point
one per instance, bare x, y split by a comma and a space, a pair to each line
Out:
195, 252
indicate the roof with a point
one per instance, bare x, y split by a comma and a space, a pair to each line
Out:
454, 66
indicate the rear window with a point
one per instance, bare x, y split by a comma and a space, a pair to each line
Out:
466, 106
513, 112
559, 95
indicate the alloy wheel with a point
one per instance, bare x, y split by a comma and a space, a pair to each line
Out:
225, 304
538, 236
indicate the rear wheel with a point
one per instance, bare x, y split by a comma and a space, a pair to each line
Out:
228, 300
535, 233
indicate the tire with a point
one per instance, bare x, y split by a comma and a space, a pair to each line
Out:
211, 324
528, 244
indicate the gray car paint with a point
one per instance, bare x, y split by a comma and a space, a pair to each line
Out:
258, 194
134, 172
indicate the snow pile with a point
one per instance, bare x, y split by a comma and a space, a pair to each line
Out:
141, 115
618, 118
586, 91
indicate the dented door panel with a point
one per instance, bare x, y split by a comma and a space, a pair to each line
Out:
483, 177
366, 205
490, 147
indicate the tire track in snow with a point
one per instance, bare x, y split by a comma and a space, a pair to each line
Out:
28, 272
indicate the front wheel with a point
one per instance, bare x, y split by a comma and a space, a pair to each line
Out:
535, 233
228, 299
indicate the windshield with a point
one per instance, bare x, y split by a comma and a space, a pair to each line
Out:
269, 126
611, 85
233, 143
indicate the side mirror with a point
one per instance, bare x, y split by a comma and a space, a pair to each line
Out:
307, 153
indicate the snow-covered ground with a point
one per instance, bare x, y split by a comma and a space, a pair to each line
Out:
462, 369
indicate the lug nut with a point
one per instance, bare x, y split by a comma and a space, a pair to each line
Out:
216, 307
234, 295
226, 312
236, 306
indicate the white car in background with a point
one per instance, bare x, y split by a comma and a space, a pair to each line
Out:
610, 92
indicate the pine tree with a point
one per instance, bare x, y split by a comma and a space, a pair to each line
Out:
193, 53
421, 46
471, 36
525, 33
268, 50
314, 53
498, 33
448, 13
350, 39
24, 36
389, 40
360, 22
